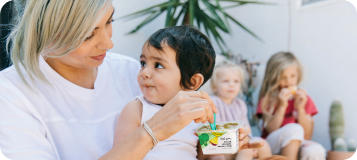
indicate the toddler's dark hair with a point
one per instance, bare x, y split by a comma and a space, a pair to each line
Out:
194, 52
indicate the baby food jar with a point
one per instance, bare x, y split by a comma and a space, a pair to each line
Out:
224, 140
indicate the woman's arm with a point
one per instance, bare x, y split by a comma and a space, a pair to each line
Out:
22, 133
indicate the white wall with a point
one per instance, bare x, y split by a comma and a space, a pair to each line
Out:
323, 37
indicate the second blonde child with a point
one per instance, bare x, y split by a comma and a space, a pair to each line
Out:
287, 110
227, 82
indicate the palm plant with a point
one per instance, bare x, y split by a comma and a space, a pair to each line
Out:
212, 17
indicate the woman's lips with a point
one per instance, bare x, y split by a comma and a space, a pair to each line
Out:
100, 57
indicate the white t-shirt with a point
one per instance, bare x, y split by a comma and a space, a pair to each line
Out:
62, 120
182, 145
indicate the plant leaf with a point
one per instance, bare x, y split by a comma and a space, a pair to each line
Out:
191, 10
168, 15
245, 28
153, 8
218, 19
224, 15
245, 2
147, 20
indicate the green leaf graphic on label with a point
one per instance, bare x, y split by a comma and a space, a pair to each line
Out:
209, 138
204, 139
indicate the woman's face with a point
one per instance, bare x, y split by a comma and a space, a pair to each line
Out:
92, 51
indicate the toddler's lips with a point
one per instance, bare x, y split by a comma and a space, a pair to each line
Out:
146, 86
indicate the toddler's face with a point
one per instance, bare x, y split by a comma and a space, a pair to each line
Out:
289, 77
159, 76
228, 83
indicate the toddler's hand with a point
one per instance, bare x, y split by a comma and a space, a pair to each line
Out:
300, 99
284, 96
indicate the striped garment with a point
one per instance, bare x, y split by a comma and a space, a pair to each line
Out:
237, 110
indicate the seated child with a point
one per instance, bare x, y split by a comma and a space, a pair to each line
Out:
287, 110
226, 83
173, 59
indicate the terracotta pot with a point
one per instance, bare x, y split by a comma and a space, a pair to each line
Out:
336, 155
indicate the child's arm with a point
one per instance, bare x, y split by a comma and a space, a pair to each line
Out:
277, 119
304, 119
129, 120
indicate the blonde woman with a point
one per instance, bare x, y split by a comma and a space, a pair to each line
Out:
64, 92
287, 110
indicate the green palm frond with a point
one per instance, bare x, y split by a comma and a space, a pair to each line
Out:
205, 14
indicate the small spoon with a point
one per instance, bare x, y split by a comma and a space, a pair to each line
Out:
213, 125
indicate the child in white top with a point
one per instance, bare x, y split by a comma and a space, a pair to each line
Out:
227, 81
173, 59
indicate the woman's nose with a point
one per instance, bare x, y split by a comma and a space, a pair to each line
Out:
106, 41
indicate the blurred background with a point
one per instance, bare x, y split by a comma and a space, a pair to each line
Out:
321, 33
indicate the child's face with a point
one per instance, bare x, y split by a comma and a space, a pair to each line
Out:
159, 77
228, 83
289, 77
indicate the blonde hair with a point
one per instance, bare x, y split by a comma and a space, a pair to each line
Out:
48, 26
224, 65
270, 89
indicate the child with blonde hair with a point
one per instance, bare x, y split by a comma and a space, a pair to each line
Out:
287, 110
227, 82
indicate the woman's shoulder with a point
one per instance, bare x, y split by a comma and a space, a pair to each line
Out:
9, 78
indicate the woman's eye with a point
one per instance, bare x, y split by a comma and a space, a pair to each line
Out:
111, 21
158, 65
88, 38
143, 64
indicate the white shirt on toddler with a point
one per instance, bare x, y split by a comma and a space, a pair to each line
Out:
182, 145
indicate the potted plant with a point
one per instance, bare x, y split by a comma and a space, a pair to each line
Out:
340, 149
206, 14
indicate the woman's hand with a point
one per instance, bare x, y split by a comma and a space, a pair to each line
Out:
180, 111
283, 97
244, 140
300, 99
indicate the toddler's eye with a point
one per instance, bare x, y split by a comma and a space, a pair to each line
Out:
158, 65
143, 64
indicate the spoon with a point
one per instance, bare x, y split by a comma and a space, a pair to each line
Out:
213, 125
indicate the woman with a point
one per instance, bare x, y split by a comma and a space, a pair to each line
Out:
62, 96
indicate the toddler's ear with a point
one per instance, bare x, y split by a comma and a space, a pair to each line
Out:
196, 81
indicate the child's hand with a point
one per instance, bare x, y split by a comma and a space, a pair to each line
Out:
284, 96
300, 99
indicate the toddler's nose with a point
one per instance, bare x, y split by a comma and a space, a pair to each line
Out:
146, 73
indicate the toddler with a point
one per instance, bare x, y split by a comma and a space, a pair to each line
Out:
227, 81
287, 110
173, 59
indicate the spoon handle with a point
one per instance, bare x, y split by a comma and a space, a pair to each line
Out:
213, 125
